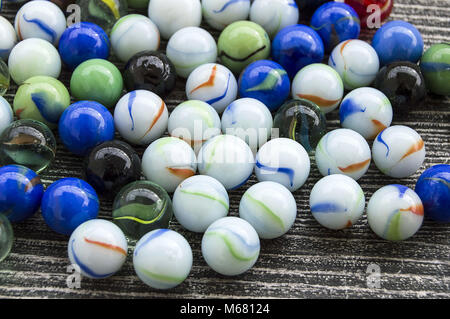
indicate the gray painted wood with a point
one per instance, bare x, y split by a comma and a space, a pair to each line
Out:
308, 262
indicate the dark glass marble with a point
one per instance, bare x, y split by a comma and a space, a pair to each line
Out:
110, 166
403, 84
150, 70
141, 207
63, 3
29, 143
302, 121
307, 7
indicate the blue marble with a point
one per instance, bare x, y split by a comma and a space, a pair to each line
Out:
67, 203
433, 188
297, 46
83, 41
21, 192
84, 125
398, 41
335, 22
265, 81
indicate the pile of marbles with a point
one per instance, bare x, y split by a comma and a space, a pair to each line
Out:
263, 75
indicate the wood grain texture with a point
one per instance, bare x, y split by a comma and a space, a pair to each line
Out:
308, 262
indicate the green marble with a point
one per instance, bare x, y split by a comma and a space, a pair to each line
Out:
435, 67
6, 237
302, 121
41, 98
138, 4
29, 143
141, 207
242, 43
103, 12
5, 78
97, 80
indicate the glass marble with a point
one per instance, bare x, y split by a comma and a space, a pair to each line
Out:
41, 98
21, 192
230, 246
265, 81
189, 48
132, 34
173, 15
221, 13
81, 42
110, 166
283, 161
270, 208
102, 12
5, 77
98, 247
403, 83
398, 41
297, 46
274, 15
152, 71
343, 151
68, 203
366, 10
228, 159
97, 80
192, 118
335, 22
84, 125
337, 201
307, 7
320, 84
168, 161
138, 4
398, 151
395, 212
434, 192
6, 237
242, 43
29, 143
8, 38
22, 60
214, 84
141, 207
356, 62
435, 66
366, 111
162, 259
6, 114
62, 4
141, 117
248, 119
302, 121
43, 20
199, 201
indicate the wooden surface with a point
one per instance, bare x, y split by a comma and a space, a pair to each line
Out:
308, 262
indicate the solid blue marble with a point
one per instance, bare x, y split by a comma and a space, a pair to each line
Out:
335, 22
297, 46
265, 81
67, 203
433, 188
21, 192
83, 41
84, 125
398, 41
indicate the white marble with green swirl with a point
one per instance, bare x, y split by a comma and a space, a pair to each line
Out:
230, 246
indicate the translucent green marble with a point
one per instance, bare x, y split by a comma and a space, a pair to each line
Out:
97, 80
6, 237
4, 77
141, 207
302, 121
41, 98
103, 12
435, 67
29, 143
242, 43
